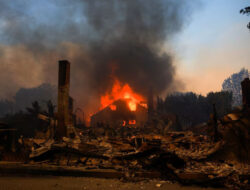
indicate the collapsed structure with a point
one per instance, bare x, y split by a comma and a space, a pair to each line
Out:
126, 111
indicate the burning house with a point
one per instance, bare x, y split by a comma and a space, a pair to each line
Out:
119, 113
121, 107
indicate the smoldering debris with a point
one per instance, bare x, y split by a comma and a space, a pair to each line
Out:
178, 156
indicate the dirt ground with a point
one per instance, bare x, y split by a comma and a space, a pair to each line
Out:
81, 183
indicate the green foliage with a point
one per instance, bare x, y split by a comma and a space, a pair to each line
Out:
35, 109
25, 96
233, 84
27, 123
193, 109
6, 107
246, 11
222, 101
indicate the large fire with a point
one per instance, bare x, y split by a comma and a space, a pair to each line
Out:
120, 91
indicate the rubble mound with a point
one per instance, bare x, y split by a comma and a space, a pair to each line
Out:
235, 131
178, 156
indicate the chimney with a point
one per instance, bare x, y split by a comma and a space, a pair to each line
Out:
63, 99
245, 85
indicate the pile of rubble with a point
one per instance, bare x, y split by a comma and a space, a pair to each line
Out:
178, 156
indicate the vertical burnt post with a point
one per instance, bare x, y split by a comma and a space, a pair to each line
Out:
63, 98
245, 86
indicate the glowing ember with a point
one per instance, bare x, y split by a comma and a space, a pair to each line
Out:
132, 105
120, 91
131, 122
123, 123
112, 107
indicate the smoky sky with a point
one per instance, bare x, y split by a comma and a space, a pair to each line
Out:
102, 39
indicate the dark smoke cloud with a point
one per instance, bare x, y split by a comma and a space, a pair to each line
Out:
100, 38
130, 35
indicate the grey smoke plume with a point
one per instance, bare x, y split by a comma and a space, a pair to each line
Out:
101, 38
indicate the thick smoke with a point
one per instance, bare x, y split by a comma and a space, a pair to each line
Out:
129, 40
102, 39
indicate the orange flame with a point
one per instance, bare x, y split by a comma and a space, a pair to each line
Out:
113, 107
132, 122
120, 91
123, 123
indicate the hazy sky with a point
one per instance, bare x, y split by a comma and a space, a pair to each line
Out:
215, 44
